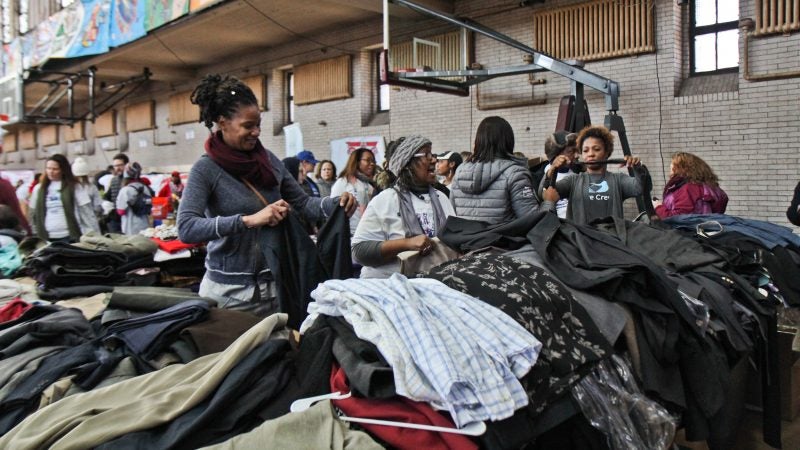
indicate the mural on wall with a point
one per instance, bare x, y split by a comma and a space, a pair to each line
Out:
12, 58
127, 21
160, 12
196, 5
92, 37
341, 148
54, 37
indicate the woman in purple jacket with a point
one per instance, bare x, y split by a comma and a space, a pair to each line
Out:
693, 188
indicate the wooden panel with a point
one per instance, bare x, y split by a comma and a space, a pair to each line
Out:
76, 132
401, 54
10, 143
596, 30
106, 124
258, 84
141, 116
181, 109
48, 135
323, 81
27, 139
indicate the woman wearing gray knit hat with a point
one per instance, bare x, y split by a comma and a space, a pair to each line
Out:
494, 186
404, 217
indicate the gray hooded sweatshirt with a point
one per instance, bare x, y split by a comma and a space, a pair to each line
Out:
494, 192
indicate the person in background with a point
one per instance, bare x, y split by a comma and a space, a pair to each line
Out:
560, 143
54, 211
298, 171
357, 179
325, 175
493, 186
307, 161
173, 190
9, 198
446, 165
23, 194
103, 178
383, 232
236, 193
113, 220
693, 188
132, 221
10, 232
465, 155
87, 197
596, 193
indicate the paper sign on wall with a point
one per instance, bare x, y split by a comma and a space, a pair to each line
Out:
341, 149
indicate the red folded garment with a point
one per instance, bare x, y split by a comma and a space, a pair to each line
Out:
173, 246
399, 409
13, 309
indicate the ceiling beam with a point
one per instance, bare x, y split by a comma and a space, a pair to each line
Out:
445, 6
121, 69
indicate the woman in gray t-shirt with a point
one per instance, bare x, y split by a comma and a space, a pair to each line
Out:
596, 193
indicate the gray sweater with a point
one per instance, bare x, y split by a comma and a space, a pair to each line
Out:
494, 192
211, 210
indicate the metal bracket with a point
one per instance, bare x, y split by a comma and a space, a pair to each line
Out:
51, 107
607, 87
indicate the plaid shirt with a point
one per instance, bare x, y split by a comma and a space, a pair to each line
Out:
445, 347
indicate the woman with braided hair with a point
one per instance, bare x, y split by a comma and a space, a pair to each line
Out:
405, 216
236, 192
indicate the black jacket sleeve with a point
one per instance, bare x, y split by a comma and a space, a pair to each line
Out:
791, 213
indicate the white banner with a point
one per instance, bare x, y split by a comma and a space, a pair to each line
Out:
294, 139
341, 149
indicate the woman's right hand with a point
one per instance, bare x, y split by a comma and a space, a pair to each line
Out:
271, 215
557, 163
421, 243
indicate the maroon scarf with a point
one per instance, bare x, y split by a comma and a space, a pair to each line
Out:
253, 166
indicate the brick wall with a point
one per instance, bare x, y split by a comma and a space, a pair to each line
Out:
748, 133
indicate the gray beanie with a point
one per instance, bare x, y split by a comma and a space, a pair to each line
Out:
405, 151
132, 171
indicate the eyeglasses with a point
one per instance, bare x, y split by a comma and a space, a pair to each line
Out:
425, 155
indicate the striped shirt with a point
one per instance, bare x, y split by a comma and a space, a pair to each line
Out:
445, 347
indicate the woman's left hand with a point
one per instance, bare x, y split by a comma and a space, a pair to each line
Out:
631, 161
348, 202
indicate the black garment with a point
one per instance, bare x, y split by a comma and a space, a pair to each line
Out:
294, 260
150, 335
666, 247
257, 378
464, 235
311, 367
145, 298
571, 342
66, 327
25, 398
220, 330
64, 293
367, 371
791, 213
61, 264
32, 313
333, 244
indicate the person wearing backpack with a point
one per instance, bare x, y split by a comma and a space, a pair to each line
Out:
134, 201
